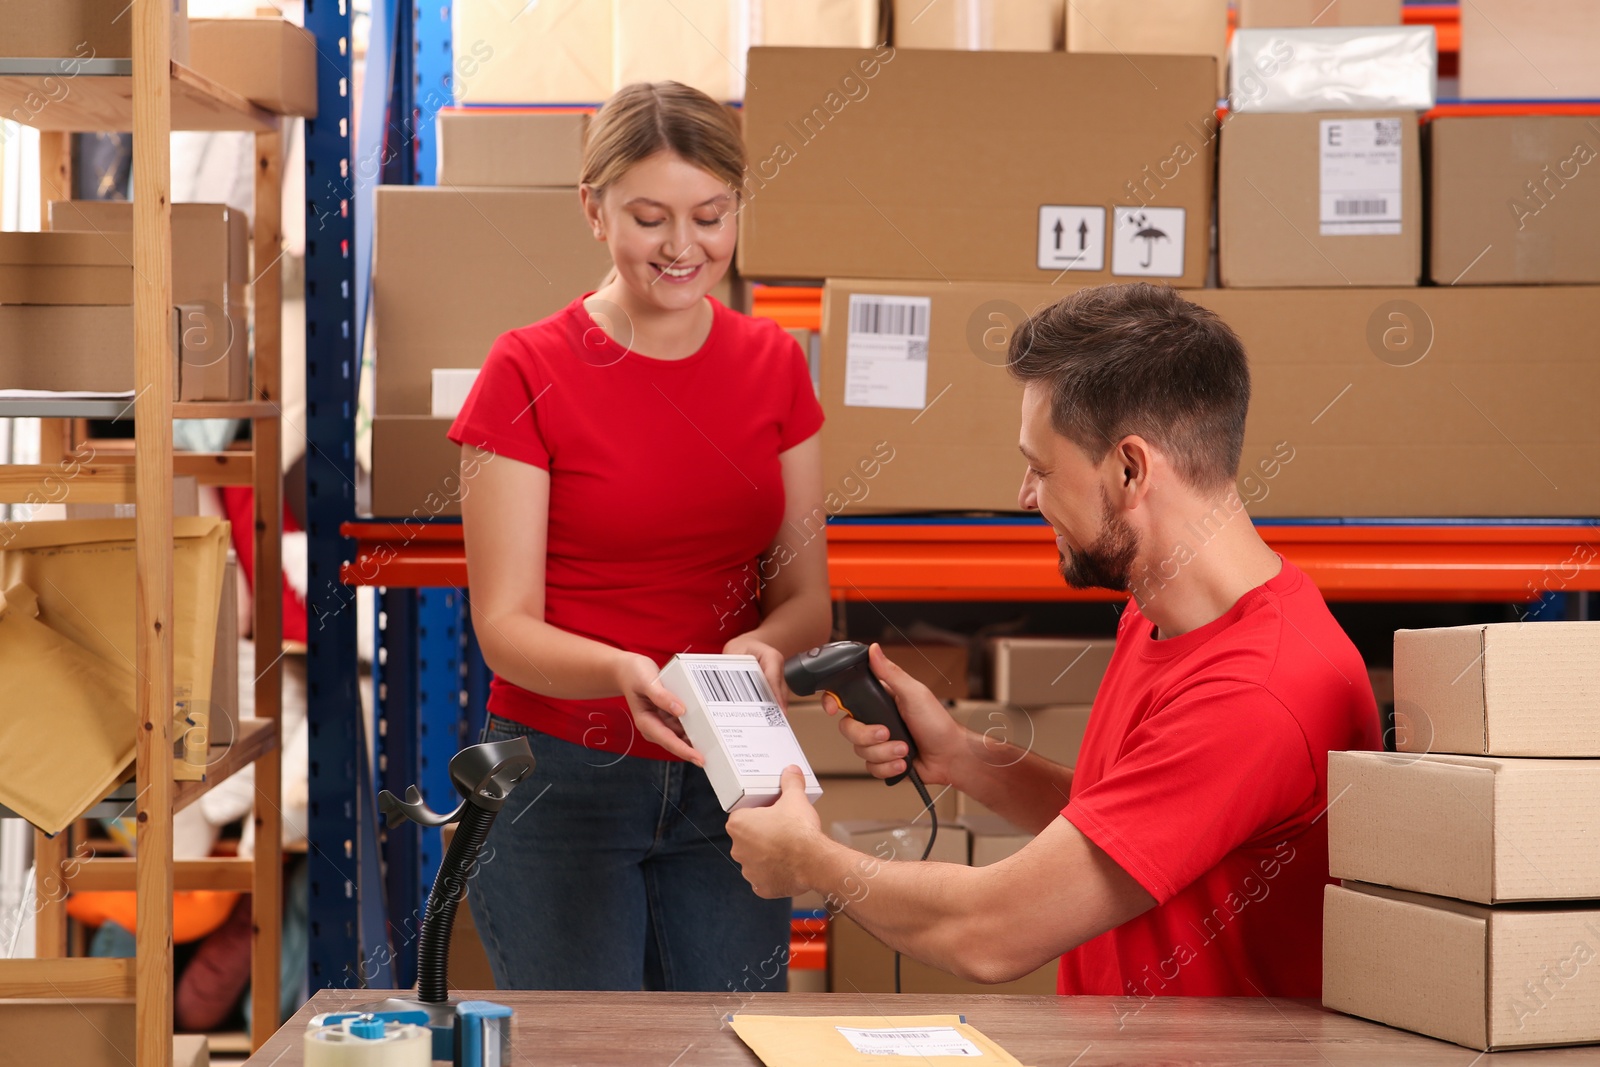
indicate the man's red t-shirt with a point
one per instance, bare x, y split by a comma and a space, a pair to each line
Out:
665, 488
1204, 775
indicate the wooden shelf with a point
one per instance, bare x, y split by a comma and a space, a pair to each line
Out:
110, 479
96, 95
119, 408
54, 979
117, 873
256, 738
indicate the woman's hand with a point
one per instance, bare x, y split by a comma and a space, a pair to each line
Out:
655, 710
771, 661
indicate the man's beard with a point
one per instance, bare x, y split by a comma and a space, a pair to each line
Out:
1106, 564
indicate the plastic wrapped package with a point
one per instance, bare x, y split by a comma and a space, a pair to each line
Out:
1340, 68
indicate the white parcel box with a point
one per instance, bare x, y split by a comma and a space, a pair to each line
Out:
732, 717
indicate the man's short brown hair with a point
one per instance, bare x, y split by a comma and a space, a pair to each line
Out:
1140, 359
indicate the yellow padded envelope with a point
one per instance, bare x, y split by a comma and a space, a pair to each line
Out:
67, 734
840, 1040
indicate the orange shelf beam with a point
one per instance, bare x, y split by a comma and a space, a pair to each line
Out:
988, 561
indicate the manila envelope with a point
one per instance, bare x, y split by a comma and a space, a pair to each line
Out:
820, 1040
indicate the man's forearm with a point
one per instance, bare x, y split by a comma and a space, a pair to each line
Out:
1020, 786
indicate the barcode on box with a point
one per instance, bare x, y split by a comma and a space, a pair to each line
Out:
1361, 207
730, 687
774, 716
889, 318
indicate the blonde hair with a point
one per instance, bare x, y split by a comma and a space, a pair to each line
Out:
642, 119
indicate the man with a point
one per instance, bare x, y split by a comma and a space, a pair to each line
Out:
1186, 853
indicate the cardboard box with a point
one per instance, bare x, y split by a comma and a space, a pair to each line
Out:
993, 838
1499, 689
732, 717
825, 747
1483, 390
1039, 671
210, 269
1530, 50
1322, 198
1151, 27
268, 61
847, 799
1468, 827
511, 148
903, 186
416, 469
81, 29
1056, 733
701, 43
860, 963
942, 668
555, 52
66, 268
890, 839
67, 348
1488, 978
988, 25
453, 269
1508, 201
1254, 13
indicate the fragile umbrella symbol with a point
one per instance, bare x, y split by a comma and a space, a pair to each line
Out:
1150, 235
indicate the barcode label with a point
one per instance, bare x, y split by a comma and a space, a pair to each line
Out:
775, 717
933, 1041
1361, 170
730, 687
877, 315
886, 351
1361, 207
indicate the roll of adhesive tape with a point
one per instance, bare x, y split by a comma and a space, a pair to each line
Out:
401, 1045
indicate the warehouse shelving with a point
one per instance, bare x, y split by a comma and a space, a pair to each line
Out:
151, 96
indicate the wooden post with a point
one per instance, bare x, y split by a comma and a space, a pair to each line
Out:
153, 385
50, 894
266, 447
55, 183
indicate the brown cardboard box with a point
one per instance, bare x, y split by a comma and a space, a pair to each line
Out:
846, 799
1483, 390
818, 733
860, 963
66, 268
942, 668
453, 269
1479, 389
82, 29
416, 469
268, 61
210, 269
1056, 733
882, 165
1285, 182
554, 52
1035, 672
700, 43
988, 25
1502, 689
1151, 27
71, 348
1530, 50
993, 838
1468, 827
1253, 13
1489, 978
1509, 201
511, 148
891, 839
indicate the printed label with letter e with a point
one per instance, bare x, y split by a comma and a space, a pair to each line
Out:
1360, 165
886, 352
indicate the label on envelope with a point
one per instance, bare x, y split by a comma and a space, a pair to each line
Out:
928, 1041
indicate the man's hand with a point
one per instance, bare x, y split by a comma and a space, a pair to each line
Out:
771, 661
771, 844
941, 741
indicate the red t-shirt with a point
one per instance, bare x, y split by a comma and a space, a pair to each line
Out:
1204, 775
665, 488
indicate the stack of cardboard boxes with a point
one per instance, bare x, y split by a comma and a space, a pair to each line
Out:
1470, 903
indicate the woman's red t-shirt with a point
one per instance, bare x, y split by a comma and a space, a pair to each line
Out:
665, 488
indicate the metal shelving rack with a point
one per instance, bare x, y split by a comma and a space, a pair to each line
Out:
151, 96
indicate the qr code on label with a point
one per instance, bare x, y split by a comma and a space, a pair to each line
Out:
1386, 133
774, 716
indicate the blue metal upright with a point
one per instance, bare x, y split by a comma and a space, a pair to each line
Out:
340, 817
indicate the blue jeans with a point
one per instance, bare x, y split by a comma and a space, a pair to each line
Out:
613, 872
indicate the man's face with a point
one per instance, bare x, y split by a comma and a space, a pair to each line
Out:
1097, 544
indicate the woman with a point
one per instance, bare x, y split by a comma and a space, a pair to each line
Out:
637, 470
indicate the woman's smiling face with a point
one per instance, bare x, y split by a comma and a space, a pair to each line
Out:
671, 227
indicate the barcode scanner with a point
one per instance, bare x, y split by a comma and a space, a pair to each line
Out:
841, 669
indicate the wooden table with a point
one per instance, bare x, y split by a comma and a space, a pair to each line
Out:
686, 1030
